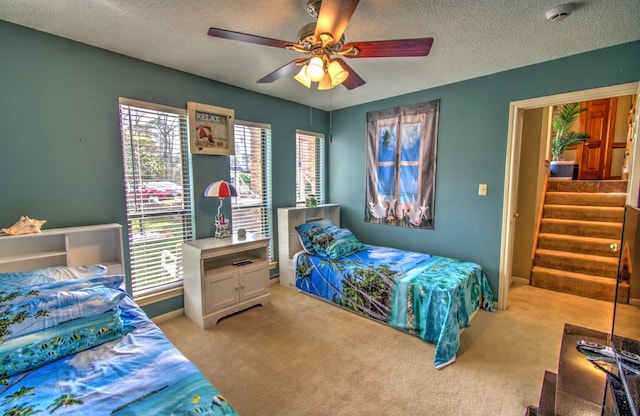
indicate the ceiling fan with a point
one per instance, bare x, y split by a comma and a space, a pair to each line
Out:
323, 42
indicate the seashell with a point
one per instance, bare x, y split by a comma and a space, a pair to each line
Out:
25, 225
377, 210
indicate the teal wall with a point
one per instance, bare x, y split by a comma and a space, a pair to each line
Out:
472, 144
60, 150
60, 154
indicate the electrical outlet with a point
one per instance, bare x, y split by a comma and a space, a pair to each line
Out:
482, 189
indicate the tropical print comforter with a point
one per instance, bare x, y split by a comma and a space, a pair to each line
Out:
431, 297
138, 373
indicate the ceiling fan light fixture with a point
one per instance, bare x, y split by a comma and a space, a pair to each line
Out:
326, 38
337, 73
326, 82
315, 69
319, 41
302, 78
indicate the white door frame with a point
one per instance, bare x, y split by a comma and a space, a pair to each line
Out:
512, 166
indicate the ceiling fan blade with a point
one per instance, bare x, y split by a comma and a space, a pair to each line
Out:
244, 37
334, 16
353, 80
288, 69
390, 48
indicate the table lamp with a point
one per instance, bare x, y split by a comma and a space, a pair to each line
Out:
221, 190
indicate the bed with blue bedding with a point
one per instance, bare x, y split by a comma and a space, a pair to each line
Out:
82, 346
431, 297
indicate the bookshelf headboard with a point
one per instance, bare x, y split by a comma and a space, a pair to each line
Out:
288, 241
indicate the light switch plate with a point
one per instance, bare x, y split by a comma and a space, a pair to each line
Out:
482, 189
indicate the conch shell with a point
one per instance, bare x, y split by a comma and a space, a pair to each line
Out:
25, 225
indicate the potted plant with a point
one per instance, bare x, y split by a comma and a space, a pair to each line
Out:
563, 120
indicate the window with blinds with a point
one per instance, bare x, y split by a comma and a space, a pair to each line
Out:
157, 182
250, 173
310, 166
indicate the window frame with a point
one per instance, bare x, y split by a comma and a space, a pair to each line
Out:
137, 212
237, 207
320, 168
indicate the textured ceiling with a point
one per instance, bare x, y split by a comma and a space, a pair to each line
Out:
471, 38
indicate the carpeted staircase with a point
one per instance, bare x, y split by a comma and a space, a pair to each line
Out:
580, 222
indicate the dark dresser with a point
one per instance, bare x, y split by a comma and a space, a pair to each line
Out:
579, 388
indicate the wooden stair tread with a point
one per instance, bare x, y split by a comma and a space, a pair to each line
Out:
579, 284
580, 238
605, 267
581, 227
574, 275
582, 222
578, 244
584, 213
599, 199
579, 256
588, 186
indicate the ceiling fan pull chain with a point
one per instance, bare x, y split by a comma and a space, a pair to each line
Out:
310, 107
330, 116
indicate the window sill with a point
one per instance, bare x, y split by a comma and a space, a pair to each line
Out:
152, 298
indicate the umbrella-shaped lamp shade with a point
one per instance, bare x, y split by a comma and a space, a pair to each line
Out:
220, 189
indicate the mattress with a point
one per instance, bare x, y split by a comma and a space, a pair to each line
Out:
428, 296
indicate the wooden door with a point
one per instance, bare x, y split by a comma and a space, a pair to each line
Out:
597, 121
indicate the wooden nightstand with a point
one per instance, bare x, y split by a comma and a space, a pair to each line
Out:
214, 287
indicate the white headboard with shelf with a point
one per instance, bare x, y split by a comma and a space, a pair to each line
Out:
72, 246
288, 241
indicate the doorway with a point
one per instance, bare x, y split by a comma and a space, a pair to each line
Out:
516, 117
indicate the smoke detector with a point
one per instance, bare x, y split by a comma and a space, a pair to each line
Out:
561, 12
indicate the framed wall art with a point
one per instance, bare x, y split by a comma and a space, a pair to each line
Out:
401, 165
210, 129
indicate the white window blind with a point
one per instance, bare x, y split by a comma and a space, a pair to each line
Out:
158, 199
310, 166
250, 172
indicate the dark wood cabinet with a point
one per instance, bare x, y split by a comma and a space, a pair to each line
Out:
578, 388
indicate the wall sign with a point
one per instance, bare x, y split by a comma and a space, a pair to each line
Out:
210, 129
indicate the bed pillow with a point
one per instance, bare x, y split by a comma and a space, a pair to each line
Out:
74, 272
33, 350
305, 234
34, 311
306, 230
17, 295
329, 240
334, 242
15, 280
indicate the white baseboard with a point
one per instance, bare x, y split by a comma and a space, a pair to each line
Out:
521, 280
169, 315
634, 301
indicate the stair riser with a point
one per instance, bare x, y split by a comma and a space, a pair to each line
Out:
600, 230
573, 246
579, 213
604, 290
595, 268
595, 199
